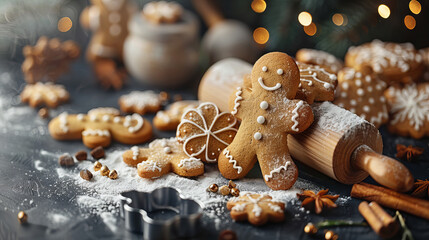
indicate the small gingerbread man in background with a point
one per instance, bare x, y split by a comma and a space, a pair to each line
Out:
108, 19
268, 113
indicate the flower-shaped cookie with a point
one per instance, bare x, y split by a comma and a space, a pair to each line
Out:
162, 12
170, 118
205, 132
321, 58
409, 110
362, 94
258, 209
317, 84
140, 102
161, 157
48, 94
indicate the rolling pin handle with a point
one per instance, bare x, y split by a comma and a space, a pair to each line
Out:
384, 170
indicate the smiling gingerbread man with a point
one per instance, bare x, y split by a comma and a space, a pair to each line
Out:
268, 112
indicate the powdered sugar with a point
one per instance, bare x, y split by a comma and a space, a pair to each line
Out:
331, 117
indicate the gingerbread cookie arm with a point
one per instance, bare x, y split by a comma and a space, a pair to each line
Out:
93, 138
153, 168
132, 129
238, 100
187, 166
134, 156
301, 117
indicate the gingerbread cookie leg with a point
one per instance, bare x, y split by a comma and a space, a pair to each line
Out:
153, 168
235, 162
278, 169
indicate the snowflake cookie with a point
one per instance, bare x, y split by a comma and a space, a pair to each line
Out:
362, 94
140, 102
205, 132
321, 58
100, 126
170, 118
258, 209
268, 112
317, 84
409, 110
161, 157
48, 94
392, 62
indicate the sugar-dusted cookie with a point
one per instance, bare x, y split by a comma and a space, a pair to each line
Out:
409, 110
48, 59
268, 113
258, 209
317, 84
321, 58
205, 132
100, 126
392, 62
362, 94
162, 12
48, 94
140, 102
169, 119
161, 157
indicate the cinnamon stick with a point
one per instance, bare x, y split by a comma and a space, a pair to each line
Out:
382, 223
391, 199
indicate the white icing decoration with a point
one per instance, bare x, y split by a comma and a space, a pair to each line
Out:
136, 152
275, 208
371, 100
236, 101
105, 118
167, 150
164, 144
264, 68
311, 72
263, 105
190, 163
360, 92
150, 166
80, 117
140, 99
366, 108
261, 82
104, 110
247, 199
279, 71
139, 123
116, 119
207, 130
232, 160
353, 102
93, 118
296, 115
257, 136
96, 132
63, 122
261, 119
276, 170
412, 104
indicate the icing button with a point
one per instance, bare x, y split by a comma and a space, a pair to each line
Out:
263, 105
257, 136
260, 119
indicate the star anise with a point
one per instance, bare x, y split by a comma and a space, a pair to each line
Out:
421, 189
409, 152
317, 202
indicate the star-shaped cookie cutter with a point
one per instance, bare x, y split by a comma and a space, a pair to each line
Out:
163, 213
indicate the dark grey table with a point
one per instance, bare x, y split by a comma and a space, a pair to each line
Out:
22, 138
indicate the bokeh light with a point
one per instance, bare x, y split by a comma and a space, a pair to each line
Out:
305, 18
415, 6
384, 11
311, 29
338, 19
258, 6
410, 22
261, 35
64, 24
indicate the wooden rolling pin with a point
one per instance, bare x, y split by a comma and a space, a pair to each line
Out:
339, 143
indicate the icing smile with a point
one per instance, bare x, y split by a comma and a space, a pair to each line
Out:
261, 82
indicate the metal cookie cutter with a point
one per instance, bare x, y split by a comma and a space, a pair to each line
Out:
161, 214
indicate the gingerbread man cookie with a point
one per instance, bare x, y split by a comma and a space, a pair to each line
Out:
362, 94
48, 94
205, 132
140, 102
100, 126
161, 157
170, 118
317, 84
162, 12
409, 110
48, 59
268, 113
258, 209
321, 58
392, 62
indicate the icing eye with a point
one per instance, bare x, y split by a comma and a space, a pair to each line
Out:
264, 68
279, 71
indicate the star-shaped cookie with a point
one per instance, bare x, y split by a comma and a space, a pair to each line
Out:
48, 94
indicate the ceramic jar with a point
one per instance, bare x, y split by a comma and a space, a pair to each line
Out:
165, 55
